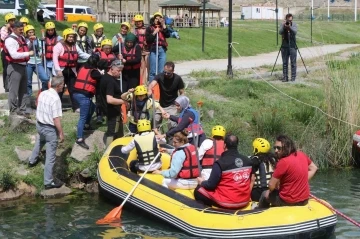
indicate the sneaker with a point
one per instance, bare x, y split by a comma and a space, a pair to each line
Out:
284, 80
54, 185
77, 110
82, 144
31, 165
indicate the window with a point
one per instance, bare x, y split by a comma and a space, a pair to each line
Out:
89, 11
257, 10
51, 9
68, 10
80, 10
7, 4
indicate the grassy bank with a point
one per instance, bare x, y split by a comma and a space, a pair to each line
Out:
254, 37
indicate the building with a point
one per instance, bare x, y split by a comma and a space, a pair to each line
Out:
261, 12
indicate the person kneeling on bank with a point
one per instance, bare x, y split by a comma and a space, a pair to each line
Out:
184, 164
146, 144
229, 185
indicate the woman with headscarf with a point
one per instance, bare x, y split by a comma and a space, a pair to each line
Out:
131, 58
188, 119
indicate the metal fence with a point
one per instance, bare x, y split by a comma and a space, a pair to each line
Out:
324, 17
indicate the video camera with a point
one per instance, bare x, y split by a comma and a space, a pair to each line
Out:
288, 23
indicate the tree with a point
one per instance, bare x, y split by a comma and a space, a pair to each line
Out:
32, 6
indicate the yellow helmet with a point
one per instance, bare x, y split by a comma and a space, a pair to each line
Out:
157, 14
28, 28
68, 31
49, 25
9, 16
106, 42
218, 130
140, 90
143, 125
126, 24
261, 145
24, 20
138, 18
98, 26
83, 24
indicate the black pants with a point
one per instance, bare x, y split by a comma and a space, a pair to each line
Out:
5, 64
114, 127
99, 108
131, 79
256, 193
276, 201
79, 65
69, 80
287, 53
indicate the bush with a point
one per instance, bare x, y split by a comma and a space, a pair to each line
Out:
7, 180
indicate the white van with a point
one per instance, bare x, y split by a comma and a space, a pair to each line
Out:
74, 13
18, 8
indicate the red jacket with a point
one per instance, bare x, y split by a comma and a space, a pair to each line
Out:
70, 56
213, 154
23, 47
128, 56
108, 57
190, 167
49, 46
85, 82
140, 33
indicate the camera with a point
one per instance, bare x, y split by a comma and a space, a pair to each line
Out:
287, 23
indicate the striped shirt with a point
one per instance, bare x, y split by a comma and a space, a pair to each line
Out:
49, 107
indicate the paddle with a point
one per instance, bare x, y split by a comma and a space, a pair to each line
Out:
115, 214
337, 211
196, 147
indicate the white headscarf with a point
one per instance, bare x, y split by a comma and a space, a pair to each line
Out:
183, 101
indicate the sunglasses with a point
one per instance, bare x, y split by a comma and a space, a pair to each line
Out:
277, 148
167, 73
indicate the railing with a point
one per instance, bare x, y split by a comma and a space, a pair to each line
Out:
122, 16
211, 22
323, 17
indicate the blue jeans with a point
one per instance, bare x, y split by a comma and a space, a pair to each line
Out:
174, 34
87, 108
161, 62
31, 68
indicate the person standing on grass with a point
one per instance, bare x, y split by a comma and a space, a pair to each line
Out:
51, 38
48, 117
288, 30
289, 184
157, 27
17, 54
171, 86
5, 31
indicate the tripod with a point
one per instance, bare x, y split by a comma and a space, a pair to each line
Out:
296, 47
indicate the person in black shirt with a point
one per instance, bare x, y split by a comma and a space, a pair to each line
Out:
171, 86
110, 98
40, 17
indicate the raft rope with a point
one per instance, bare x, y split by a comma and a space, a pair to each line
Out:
290, 97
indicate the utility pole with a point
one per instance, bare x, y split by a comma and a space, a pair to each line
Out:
229, 67
203, 26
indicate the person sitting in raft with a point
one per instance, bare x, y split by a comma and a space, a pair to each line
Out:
188, 119
211, 150
139, 106
184, 164
264, 163
229, 184
146, 144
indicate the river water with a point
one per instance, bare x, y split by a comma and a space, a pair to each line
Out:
74, 216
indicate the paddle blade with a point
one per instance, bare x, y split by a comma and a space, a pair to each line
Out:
112, 217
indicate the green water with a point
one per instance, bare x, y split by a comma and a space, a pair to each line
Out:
75, 215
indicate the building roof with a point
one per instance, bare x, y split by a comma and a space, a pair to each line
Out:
211, 7
179, 3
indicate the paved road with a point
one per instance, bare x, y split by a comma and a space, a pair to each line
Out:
185, 68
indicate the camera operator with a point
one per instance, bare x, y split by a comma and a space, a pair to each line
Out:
288, 30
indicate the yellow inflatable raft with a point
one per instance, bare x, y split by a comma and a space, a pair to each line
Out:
181, 210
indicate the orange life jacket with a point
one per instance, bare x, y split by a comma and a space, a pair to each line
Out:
109, 58
140, 33
130, 55
49, 46
190, 166
213, 154
85, 82
70, 56
23, 47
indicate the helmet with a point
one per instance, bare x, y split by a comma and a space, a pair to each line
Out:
140, 90
126, 24
49, 25
218, 130
157, 14
98, 26
143, 125
106, 42
138, 18
24, 20
9, 16
28, 28
83, 24
261, 145
68, 31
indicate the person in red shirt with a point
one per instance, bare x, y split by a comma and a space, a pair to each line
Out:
289, 184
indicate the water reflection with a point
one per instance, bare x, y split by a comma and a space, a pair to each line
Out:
74, 216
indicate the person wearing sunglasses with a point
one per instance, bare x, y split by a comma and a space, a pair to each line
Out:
171, 86
184, 169
289, 184
264, 163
